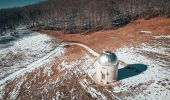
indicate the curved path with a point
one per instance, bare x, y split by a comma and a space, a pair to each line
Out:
84, 46
43, 60
92, 51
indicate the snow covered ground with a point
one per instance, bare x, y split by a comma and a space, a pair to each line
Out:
147, 76
150, 78
17, 52
152, 84
151, 81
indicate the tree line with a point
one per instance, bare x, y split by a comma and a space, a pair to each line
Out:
73, 16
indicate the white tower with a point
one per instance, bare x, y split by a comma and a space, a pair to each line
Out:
107, 69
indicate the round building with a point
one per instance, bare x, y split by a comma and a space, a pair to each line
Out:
107, 69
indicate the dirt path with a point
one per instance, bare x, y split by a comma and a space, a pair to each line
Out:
84, 46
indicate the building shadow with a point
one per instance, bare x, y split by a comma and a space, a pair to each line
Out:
131, 70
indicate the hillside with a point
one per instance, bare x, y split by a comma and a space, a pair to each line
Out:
81, 15
65, 72
134, 33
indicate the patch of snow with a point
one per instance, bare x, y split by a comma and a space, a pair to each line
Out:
21, 27
162, 36
56, 52
147, 32
153, 92
153, 49
47, 70
57, 95
24, 51
87, 66
94, 93
14, 93
154, 73
33, 43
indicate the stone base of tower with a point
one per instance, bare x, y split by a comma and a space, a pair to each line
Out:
94, 78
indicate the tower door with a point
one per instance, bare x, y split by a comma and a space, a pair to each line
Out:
104, 75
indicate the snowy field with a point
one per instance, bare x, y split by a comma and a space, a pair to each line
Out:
152, 83
17, 52
147, 77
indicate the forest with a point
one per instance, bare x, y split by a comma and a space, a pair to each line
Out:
73, 16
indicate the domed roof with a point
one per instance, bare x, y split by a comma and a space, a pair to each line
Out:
107, 58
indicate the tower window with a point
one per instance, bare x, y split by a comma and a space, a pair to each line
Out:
103, 76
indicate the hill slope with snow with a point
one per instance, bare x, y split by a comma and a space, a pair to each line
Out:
64, 72
18, 53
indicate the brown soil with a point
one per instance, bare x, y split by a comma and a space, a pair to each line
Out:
112, 39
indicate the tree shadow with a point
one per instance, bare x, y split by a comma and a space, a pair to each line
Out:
6, 40
131, 70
